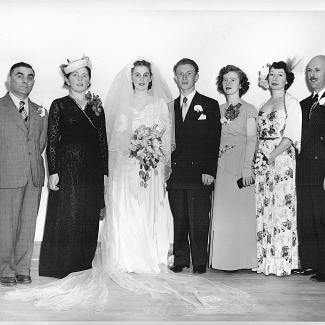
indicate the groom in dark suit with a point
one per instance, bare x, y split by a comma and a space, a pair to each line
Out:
194, 165
23, 128
311, 176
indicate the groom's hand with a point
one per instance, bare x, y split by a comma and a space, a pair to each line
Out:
207, 179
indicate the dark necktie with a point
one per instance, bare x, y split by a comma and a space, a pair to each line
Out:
184, 108
23, 111
314, 103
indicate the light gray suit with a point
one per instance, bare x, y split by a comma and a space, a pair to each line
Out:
21, 179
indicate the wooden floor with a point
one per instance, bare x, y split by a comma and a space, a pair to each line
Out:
293, 298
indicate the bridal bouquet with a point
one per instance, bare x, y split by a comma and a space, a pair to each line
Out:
146, 147
260, 164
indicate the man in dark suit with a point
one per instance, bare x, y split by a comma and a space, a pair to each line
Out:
311, 176
194, 165
23, 128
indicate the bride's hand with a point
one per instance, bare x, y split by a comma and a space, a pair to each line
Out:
105, 183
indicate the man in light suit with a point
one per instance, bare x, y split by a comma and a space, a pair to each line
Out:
23, 128
311, 176
194, 165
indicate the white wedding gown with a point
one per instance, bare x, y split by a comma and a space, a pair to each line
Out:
141, 222
135, 238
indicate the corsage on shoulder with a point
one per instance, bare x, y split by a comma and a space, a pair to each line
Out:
95, 102
41, 111
230, 114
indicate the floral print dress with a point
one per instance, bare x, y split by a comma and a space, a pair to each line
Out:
277, 244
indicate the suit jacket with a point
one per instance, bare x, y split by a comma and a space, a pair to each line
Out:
21, 147
311, 160
197, 144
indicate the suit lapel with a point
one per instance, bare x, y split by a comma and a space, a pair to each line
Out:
12, 112
316, 118
33, 116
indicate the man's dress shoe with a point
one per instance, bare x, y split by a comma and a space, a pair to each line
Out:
304, 271
199, 269
177, 268
8, 281
23, 278
318, 278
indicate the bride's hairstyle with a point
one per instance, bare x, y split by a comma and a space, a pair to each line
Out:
143, 63
186, 61
243, 80
289, 74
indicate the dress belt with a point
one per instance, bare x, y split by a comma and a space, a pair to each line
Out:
269, 138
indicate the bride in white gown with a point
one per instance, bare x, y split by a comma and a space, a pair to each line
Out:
137, 234
139, 227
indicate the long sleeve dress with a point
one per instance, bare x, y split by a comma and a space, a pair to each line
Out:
276, 215
77, 151
233, 226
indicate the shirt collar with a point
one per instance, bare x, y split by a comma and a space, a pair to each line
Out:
189, 97
16, 100
320, 94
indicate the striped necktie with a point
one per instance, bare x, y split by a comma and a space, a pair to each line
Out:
23, 111
314, 104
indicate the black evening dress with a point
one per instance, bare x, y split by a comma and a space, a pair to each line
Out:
77, 151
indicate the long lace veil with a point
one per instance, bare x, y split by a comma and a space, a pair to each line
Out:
99, 289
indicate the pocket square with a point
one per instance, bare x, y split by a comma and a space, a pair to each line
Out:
202, 117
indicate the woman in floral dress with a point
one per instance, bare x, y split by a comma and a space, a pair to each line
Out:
275, 166
233, 240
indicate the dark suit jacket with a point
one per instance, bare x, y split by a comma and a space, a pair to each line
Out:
197, 144
311, 160
21, 148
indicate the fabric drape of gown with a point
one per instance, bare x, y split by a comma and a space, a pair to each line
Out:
276, 218
77, 151
135, 238
233, 225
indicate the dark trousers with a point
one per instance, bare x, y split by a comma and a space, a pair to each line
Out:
311, 226
191, 212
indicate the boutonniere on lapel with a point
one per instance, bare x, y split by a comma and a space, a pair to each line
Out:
322, 101
95, 102
199, 109
41, 111
230, 114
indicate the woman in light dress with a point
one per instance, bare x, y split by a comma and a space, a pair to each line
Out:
279, 141
233, 227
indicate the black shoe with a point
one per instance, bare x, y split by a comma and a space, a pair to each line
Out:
200, 269
178, 268
23, 278
8, 281
318, 278
304, 271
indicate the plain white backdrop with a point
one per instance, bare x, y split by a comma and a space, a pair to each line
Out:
111, 33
